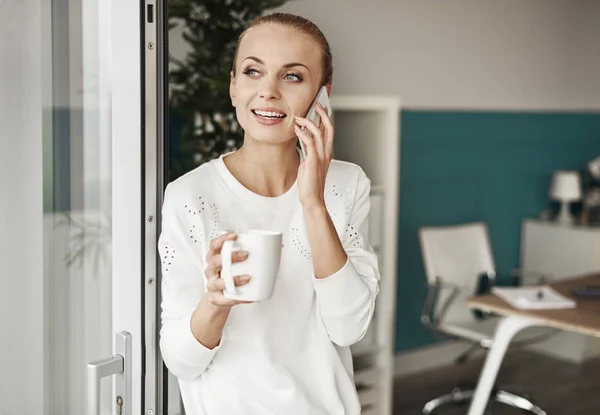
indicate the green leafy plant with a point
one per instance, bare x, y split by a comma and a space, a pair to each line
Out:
91, 239
199, 82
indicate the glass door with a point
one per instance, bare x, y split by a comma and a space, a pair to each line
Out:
94, 221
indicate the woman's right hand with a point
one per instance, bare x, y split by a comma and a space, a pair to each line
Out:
215, 284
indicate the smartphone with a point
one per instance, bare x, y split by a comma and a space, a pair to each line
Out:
591, 291
322, 98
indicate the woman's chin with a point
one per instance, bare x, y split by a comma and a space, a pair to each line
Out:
270, 137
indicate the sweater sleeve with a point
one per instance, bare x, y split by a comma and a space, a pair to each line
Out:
346, 299
182, 289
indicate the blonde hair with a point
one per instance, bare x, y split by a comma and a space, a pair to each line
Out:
304, 26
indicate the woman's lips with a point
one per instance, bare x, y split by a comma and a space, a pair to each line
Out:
266, 120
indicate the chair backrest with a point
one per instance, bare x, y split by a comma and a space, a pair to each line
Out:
457, 255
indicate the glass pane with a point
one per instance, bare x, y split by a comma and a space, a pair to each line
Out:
77, 200
174, 403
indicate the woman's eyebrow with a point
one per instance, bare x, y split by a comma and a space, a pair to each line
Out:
287, 65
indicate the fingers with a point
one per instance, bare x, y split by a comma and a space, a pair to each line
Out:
216, 244
220, 301
328, 134
309, 143
215, 284
215, 263
218, 284
213, 256
317, 136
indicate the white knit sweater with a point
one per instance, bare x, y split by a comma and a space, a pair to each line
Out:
286, 355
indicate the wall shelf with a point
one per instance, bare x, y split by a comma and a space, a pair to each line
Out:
367, 132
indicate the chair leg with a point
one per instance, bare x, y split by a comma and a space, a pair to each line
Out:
464, 356
517, 401
506, 330
461, 396
457, 396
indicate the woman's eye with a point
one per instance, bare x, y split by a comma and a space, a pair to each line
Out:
250, 72
293, 77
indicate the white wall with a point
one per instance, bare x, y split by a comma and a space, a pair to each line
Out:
534, 54
21, 253
509, 54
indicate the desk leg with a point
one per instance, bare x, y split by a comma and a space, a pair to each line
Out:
507, 328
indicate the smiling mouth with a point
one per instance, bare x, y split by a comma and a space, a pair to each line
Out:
270, 115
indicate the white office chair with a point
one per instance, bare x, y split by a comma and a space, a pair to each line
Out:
457, 260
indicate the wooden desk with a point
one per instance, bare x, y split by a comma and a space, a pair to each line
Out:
584, 318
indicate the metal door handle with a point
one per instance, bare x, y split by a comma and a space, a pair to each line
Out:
120, 365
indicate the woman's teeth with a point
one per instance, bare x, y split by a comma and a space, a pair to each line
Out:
269, 114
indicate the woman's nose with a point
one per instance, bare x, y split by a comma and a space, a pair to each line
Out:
269, 88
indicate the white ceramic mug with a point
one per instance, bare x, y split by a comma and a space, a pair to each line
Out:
262, 264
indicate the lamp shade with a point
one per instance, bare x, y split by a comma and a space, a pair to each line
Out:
566, 186
594, 168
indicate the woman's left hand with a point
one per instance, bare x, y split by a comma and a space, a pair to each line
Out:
312, 173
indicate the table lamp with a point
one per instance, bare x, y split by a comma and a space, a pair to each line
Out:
565, 188
594, 168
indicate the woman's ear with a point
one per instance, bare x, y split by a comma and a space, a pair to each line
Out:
328, 89
232, 88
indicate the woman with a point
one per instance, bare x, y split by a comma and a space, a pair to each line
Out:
289, 354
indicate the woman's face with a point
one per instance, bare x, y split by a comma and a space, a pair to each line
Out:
277, 77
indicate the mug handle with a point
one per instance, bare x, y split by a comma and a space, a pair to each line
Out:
226, 271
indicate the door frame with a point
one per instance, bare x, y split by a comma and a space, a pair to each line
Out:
154, 71
129, 211
140, 125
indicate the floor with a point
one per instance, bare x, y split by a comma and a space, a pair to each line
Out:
558, 387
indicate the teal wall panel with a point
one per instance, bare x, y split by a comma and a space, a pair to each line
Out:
468, 166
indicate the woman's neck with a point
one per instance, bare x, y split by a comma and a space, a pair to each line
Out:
266, 169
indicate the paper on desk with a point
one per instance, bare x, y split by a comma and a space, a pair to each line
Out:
527, 298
